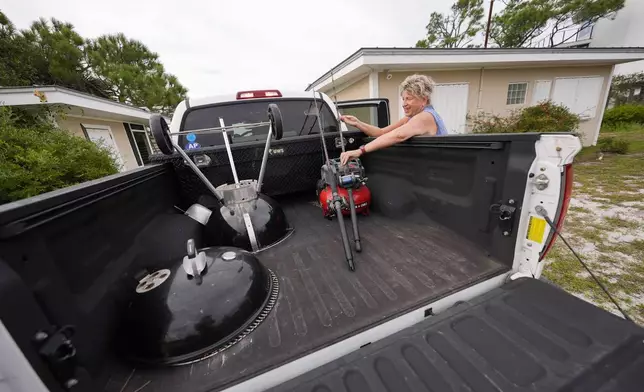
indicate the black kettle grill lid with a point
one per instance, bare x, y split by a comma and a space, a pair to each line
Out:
173, 318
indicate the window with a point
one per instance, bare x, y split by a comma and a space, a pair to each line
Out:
328, 121
517, 93
297, 117
140, 142
367, 114
102, 136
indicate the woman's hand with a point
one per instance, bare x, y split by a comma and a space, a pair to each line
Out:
345, 156
350, 120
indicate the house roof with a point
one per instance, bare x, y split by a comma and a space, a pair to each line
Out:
366, 60
80, 103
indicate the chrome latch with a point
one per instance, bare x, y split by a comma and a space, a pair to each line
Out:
541, 181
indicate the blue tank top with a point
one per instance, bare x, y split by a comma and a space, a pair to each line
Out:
441, 129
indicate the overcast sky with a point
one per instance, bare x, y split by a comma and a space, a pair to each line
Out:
225, 46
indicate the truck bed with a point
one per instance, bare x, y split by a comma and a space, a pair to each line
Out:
524, 336
404, 265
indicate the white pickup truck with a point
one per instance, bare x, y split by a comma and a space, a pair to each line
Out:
446, 293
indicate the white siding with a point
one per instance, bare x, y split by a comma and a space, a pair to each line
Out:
541, 91
450, 101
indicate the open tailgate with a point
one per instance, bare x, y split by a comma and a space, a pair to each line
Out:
526, 335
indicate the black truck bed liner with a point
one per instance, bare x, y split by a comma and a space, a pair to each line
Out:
524, 336
404, 265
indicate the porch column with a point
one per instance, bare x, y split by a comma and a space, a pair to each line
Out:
373, 85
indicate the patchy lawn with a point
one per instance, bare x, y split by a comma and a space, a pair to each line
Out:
605, 225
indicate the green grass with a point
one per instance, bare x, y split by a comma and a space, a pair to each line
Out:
616, 223
634, 249
566, 272
623, 128
601, 178
633, 133
590, 234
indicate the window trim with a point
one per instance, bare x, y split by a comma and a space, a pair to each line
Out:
135, 150
107, 128
525, 95
147, 137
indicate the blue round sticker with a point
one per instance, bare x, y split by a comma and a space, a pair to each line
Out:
191, 137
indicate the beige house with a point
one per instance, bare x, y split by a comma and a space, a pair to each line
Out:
471, 81
119, 127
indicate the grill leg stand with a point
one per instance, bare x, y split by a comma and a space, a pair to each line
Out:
343, 231
262, 170
354, 221
229, 151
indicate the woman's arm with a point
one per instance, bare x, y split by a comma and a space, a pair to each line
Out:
420, 124
373, 131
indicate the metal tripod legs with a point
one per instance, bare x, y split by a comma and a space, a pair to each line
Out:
354, 221
343, 230
329, 175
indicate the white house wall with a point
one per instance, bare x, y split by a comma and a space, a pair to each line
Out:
73, 125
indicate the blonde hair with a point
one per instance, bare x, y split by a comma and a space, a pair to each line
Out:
421, 86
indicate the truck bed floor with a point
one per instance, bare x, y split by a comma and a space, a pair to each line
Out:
404, 265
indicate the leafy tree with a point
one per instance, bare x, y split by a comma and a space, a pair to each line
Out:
111, 66
18, 59
133, 73
521, 21
457, 29
624, 87
61, 57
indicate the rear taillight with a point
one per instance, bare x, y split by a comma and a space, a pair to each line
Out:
258, 94
567, 178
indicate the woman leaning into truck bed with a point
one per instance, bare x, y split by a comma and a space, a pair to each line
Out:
420, 119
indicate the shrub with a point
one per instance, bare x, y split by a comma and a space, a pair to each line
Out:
614, 145
39, 158
547, 117
492, 123
624, 114
543, 117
